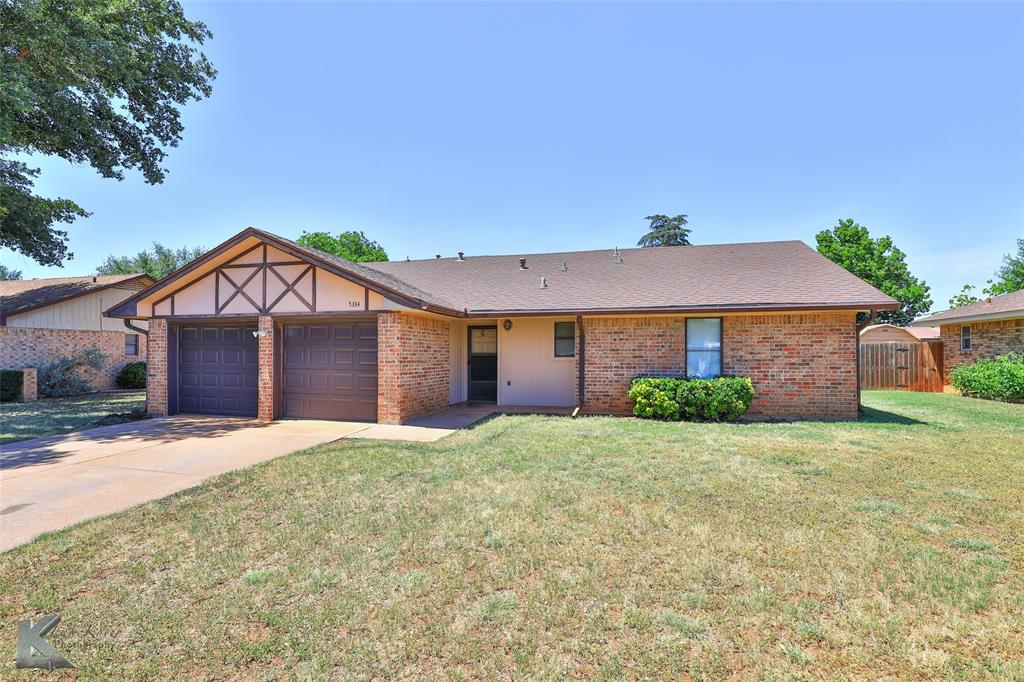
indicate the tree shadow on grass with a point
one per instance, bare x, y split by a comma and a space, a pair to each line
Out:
870, 415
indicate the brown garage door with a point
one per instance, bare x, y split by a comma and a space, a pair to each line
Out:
217, 370
330, 370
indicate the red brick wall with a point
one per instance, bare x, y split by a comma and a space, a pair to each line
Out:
33, 347
618, 349
988, 339
265, 373
413, 371
156, 368
803, 366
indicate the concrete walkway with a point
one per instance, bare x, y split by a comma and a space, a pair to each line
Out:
50, 483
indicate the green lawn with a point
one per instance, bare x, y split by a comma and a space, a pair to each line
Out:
546, 547
19, 421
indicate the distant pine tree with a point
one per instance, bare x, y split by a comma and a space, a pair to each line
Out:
666, 231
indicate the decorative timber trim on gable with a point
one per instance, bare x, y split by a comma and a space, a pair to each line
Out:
271, 276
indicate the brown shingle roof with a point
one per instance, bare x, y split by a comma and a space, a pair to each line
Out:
762, 275
996, 307
377, 276
22, 295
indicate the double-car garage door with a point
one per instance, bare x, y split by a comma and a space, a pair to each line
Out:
328, 370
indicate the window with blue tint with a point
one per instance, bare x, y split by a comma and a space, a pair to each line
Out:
703, 347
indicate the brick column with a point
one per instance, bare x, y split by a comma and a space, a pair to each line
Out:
389, 356
413, 368
265, 409
156, 368
29, 384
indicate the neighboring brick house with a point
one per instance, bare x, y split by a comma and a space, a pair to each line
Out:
262, 326
994, 326
42, 319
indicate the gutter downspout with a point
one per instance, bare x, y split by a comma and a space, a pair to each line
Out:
582, 372
861, 327
128, 323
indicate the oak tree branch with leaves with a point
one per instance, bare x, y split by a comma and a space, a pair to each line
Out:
90, 81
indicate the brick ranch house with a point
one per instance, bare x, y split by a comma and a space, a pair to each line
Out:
42, 319
261, 326
994, 326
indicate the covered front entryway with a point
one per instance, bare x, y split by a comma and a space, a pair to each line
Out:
483, 363
217, 369
330, 370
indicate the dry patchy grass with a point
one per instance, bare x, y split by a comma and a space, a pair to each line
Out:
547, 547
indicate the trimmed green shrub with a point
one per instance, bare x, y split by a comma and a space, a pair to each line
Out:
61, 377
655, 398
11, 381
720, 399
999, 378
132, 375
723, 399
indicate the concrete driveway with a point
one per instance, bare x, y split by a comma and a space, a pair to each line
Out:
50, 483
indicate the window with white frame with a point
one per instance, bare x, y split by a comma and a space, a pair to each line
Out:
965, 337
703, 347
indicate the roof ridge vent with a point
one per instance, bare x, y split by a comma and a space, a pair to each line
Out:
618, 256
462, 256
543, 282
522, 264
565, 267
437, 256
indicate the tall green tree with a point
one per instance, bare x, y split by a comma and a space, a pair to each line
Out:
965, 297
90, 81
352, 245
879, 263
157, 263
666, 231
1010, 276
7, 273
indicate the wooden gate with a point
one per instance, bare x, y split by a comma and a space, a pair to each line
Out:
902, 366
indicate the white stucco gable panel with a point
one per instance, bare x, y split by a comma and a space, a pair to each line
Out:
336, 294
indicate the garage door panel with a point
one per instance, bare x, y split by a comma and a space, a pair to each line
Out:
217, 370
330, 371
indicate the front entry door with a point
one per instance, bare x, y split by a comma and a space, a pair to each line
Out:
483, 364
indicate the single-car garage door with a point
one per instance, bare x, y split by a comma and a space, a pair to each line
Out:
217, 370
330, 370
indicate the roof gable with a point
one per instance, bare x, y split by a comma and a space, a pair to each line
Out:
241, 251
22, 296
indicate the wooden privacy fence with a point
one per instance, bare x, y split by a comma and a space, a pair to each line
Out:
902, 366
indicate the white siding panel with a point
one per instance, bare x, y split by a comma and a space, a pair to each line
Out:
457, 369
84, 312
528, 371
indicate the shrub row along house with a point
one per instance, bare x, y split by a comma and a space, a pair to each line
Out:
985, 329
261, 326
44, 319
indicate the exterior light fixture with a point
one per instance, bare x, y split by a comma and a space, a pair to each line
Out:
260, 333
507, 324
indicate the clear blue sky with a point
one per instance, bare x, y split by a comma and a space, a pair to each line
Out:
505, 128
